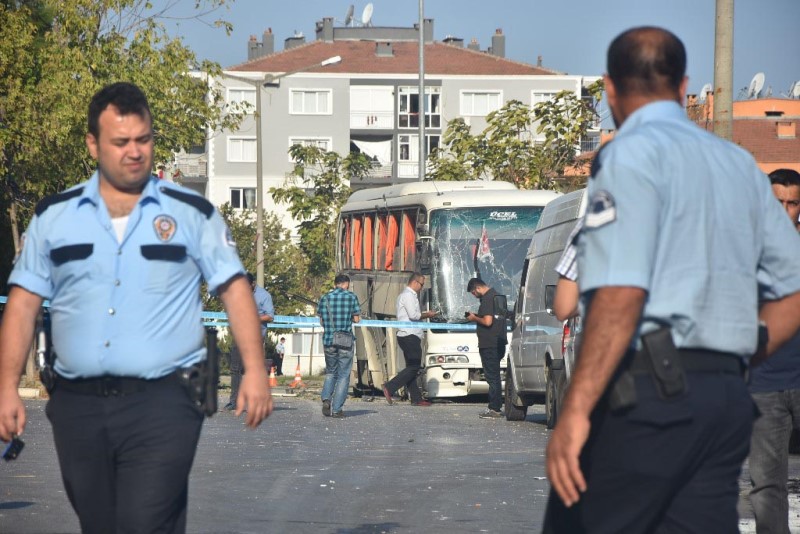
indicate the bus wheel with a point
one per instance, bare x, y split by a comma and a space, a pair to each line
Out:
512, 411
556, 380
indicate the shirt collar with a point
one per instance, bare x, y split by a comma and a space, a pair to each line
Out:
659, 110
91, 191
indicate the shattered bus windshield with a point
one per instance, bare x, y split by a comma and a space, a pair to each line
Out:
488, 243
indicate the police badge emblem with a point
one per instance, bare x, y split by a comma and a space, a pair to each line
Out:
165, 227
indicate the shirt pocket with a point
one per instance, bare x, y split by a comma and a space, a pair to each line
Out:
72, 263
162, 263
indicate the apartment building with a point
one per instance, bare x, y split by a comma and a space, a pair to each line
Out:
368, 102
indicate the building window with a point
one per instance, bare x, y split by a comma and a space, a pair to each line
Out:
408, 146
242, 96
543, 96
243, 198
408, 107
323, 143
310, 101
242, 149
480, 103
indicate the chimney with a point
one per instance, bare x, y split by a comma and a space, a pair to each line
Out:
473, 45
325, 30
454, 41
268, 42
498, 43
539, 61
383, 49
294, 41
427, 24
253, 48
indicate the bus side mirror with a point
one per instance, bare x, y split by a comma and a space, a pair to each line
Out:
424, 246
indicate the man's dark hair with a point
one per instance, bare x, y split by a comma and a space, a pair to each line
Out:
475, 283
415, 276
784, 177
647, 61
341, 278
124, 96
251, 278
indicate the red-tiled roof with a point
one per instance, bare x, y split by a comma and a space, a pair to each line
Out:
760, 138
359, 57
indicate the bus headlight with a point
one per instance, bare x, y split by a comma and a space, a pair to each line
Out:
447, 358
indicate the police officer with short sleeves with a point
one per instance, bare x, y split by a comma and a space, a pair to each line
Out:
121, 258
680, 233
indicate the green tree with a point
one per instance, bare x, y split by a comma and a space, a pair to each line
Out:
54, 55
314, 192
505, 150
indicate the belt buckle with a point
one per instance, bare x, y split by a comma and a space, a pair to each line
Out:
109, 386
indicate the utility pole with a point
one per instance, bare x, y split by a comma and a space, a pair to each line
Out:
723, 70
422, 100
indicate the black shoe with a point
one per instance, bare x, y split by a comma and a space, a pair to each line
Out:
491, 414
338, 415
422, 402
326, 408
229, 407
387, 394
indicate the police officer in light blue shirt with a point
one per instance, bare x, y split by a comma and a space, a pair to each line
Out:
680, 231
121, 258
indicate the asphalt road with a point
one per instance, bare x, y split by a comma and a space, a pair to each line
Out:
381, 469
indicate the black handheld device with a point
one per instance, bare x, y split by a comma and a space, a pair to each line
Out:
13, 449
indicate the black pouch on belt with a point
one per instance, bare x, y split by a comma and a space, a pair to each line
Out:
665, 360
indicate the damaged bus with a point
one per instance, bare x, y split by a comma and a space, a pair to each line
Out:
451, 232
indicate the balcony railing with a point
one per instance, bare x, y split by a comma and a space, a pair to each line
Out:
192, 164
590, 144
371, 120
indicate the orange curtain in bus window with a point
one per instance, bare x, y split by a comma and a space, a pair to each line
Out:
409, 239
391, 241
356, 242
382, 231
368, 247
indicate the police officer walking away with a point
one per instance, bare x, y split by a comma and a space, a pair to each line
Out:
657, 419
492, 340
121, 258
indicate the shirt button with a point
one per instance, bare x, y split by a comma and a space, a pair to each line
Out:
111, 311
107, 344
119, 252
117, 282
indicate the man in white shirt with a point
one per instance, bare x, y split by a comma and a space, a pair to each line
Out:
410, 340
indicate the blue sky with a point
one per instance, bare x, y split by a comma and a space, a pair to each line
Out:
570, 35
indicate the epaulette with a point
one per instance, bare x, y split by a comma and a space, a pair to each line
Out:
51, 200
202, 205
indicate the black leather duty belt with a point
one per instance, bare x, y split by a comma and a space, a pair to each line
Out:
695, 361
111, 386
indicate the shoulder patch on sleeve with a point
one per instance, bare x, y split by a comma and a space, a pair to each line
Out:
202, 205
601, 210
58, 198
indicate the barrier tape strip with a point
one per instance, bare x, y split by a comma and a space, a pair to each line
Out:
300, 322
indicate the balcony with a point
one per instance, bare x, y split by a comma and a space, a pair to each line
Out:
589, 144
371, 120
191, 165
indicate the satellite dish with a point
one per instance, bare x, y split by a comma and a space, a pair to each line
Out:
795, 91
366, 15
756, 85
707, 88
348, 18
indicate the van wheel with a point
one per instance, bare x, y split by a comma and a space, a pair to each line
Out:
554, 395
512, 411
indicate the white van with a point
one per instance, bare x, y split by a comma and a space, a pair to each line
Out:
537, 371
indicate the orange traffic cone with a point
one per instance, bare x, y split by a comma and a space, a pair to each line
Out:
273, 381
298, 379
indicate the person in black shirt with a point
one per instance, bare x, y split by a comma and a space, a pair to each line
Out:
492, 341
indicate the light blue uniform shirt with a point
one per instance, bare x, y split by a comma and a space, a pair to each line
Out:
691, 219
263, 305
130, 308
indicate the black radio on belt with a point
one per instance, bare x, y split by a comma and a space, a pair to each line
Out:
667, 367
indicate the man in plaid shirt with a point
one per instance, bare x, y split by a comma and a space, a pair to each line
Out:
565, 304
338, 310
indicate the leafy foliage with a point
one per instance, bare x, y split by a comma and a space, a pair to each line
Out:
314, 193
505, 149
55, 54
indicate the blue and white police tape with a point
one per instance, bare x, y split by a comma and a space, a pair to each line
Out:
300, 322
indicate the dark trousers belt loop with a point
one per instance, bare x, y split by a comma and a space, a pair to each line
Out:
697, 361
110, 386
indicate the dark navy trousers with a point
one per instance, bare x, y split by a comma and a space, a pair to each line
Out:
125, 460
663, 466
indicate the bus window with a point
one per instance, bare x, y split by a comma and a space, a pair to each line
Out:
391, 242
344, 244
356, 242
409, 239
380, 257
